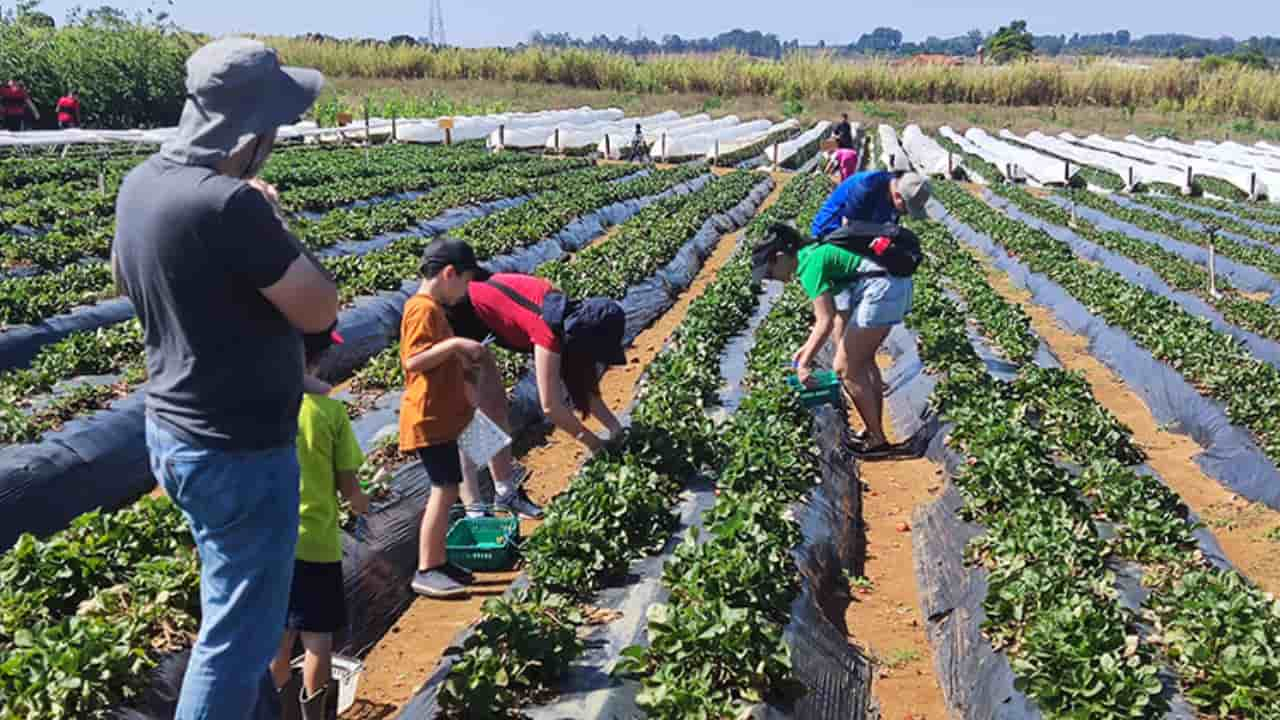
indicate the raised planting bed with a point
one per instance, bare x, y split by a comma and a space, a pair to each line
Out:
1045, 616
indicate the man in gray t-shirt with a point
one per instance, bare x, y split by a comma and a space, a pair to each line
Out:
224, 293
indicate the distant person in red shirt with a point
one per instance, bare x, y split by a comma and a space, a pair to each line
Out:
69, 110
845, 160
16, 103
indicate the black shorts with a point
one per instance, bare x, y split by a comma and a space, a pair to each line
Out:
317, 602
13, 123
442, 464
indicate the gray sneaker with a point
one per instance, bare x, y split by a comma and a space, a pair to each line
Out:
437, 584
460, 575
518, 503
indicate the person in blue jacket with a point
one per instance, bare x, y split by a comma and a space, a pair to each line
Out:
868, 302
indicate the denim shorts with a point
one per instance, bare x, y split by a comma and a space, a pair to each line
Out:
876, 302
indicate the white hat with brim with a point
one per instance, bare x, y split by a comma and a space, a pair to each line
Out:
237, 90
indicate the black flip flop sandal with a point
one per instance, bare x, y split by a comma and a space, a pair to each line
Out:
885, 451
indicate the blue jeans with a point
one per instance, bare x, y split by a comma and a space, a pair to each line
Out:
243, 512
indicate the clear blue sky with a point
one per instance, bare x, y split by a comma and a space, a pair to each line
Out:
505, 22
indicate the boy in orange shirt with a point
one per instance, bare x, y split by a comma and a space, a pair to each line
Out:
437, 405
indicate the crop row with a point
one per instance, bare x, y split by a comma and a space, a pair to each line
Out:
24, 417
547, 214
389, 268
1263, 258
1216, 364
1052, 603
1219, 187
749, 152
31, 299
20, 172
717, 646
601, 524
648, 242
972, 163
1207, 218
363, 223
1257, 212
1180, 273
85, 228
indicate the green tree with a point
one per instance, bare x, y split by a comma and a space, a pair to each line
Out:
1011, 42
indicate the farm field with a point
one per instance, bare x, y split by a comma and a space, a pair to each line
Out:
1089, 528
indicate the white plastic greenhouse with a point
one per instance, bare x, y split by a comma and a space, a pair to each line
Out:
925, 153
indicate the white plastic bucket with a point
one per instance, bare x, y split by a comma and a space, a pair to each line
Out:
346, 673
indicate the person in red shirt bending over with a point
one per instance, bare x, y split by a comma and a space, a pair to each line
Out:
15, 102
568, 339
69, 110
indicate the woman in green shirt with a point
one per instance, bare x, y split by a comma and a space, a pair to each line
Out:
849, 292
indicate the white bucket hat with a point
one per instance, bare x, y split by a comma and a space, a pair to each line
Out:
237, 90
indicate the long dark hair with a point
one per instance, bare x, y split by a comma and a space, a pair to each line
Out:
779, 239
581, 378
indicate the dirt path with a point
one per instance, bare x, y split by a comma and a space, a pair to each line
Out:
1248, 532
885, 617
398, 665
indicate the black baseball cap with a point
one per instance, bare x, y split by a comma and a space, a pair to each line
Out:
444, 252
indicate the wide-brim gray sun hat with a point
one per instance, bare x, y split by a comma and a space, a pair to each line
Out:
237, 90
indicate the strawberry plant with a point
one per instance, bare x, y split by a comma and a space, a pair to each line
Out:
1219, 187
1180, 274
1263, 258
1051, 604
1207, 218
647, 242
749, 152
1218, 365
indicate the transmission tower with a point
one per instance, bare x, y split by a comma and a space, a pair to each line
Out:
435, 25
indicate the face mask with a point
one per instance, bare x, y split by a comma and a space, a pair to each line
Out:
261, 151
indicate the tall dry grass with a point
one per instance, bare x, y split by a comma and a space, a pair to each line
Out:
1168, 85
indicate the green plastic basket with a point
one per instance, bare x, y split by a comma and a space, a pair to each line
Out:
826, 390
486, 544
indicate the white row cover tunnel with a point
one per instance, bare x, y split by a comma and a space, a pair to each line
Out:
1249, 175
779, 153
426, 130
925, 154
891, 152
1132, 172
571, 135
1161, 154
1042, 169
1012, 172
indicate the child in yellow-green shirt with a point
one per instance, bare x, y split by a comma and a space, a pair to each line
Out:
329, 456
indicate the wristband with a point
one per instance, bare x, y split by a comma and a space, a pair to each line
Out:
880, 244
